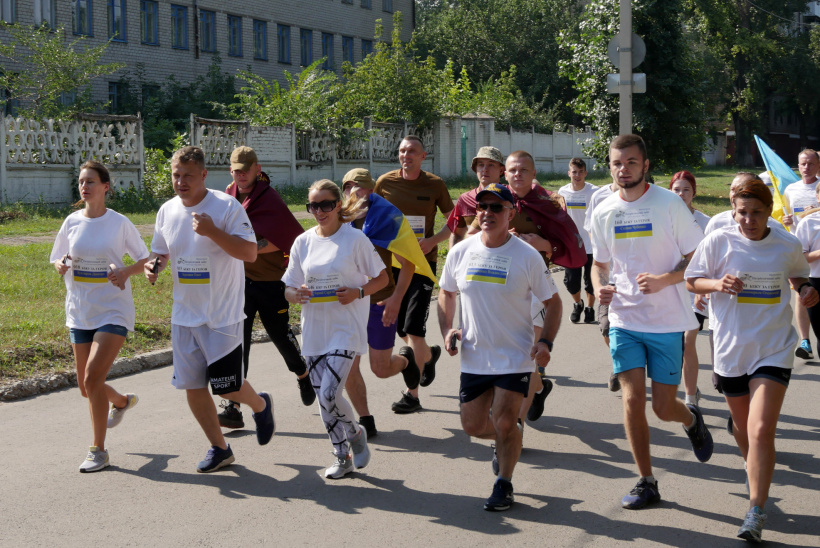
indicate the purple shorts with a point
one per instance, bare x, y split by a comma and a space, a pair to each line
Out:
379, 337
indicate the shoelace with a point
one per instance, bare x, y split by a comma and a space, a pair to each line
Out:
754, 519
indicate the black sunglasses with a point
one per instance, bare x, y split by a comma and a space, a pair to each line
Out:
494, 207
325, 205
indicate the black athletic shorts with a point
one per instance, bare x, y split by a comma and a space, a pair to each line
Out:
472, 385
415, 307
734, 387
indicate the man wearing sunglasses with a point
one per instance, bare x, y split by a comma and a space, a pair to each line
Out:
497, 276
275, 228
417, 194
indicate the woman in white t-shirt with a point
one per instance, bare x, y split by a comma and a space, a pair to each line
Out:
748, 268
808, 232
99, 307
684, 185
332, 268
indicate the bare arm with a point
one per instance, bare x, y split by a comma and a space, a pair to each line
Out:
652, 283
427, 244
446, 315
264, 246
347, 295
392, 303
552, 321
600, 283
235, 246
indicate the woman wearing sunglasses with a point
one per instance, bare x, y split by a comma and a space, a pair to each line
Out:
332, 268
748, 267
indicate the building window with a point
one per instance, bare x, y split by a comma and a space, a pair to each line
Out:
10, 105
234, 36
327, 51
179, 27
116, 97
347, 49
367, 48
283, 39
207, 30
347, 1
387, 5
44, 13
149, 91
67, 98
149, 33
81, 16
116, 20
8, 11
260, 40
366, 4
306, 41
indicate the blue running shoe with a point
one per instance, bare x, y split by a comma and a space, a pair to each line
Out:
215, 459
265, 425
502, 497
642, 494
752, 528
699, 435
804, 350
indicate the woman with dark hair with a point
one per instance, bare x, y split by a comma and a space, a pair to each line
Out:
684, 185
99, 305
332, 268
748, 268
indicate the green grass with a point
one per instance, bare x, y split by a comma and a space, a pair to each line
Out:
33, 336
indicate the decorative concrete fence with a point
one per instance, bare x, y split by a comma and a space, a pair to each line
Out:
40, 160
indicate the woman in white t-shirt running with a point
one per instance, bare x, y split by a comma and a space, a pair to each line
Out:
332, 268
99, 306
749, 267
684, 185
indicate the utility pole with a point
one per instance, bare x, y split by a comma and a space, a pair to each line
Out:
625, 68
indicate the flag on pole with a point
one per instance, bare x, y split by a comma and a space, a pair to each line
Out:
782, 176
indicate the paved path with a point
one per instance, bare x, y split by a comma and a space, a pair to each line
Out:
425, 485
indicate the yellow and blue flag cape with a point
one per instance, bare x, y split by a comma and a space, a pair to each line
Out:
386, 227
781, 175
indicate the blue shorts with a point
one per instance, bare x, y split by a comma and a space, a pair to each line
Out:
380, 337
85, 336
660, 353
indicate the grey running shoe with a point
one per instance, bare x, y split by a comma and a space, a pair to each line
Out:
502, 497
230, 416
115, 415
95, 460
752, 528
341, 467
215, 459
407, 404
361, 453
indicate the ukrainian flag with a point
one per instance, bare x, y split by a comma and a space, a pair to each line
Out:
195, 278
641, 230
781, 175
323, 296
759, 296
486, 275
91, 276
386, 227
576, 205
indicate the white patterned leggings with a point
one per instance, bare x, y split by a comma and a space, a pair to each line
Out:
328, 374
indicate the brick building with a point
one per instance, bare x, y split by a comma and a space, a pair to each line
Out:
181, 37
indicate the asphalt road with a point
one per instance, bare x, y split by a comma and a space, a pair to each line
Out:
427, 480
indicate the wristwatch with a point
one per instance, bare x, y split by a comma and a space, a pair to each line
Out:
361, 293
547, 342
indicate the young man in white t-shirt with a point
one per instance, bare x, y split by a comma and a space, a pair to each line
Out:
205, 235
801, 197
497, 276
643, 231
577, 195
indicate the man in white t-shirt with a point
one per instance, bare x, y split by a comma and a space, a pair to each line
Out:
801, 197
205, 235
577, 195
497, 276
643, 231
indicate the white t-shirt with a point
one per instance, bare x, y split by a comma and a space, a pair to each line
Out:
701, 218
497, 286
92, 301
209, 284
345, 259
577, 202
651, 234
808, 232
725, 219
754, 328
597, 197
800, 197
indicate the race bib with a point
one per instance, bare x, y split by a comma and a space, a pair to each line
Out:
492, 269
633, 224
416, 224
323, 289
90, 270
194, 270
760, 288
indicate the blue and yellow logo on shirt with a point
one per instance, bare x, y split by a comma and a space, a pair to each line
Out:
91, 276
323, 296
486, 275
195, 278
641, 230
759, 296
576, 205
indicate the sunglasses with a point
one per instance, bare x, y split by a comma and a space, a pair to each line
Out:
494, 207
325, 206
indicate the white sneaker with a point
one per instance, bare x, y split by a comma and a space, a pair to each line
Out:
96, 460
361, 452
340, 468
115, 415
693, 400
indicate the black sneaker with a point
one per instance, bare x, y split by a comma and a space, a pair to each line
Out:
215, 459
700, 437
537, 406
502, 497
589, 315
265, 424
577, 308
407, 404
411, 372
231, 416
614, 383
306, 390
369, 424
429, 373
641, 495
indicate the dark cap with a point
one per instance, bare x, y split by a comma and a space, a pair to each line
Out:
499, 190
242, 158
